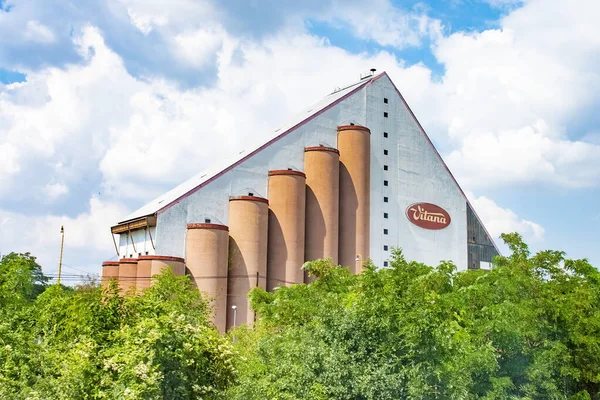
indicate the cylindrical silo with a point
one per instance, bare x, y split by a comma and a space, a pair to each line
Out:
110, 270
206, 249
127, 273
322, 169
248, 232
285, 254
354, 144
144, 274
159, 263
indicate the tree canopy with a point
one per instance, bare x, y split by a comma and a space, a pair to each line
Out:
527, 329
85, 343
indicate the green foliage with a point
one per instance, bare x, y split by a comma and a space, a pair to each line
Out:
21, 280
90, 343
527, 329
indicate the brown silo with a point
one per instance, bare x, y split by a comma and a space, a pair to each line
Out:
285, 253
158, 263
127, 273
322, 168
144, 274
248, 232
110, 270
206, 249
354, 144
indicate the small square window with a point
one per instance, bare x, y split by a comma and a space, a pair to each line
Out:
385, 152
385, 247
385, 167
385, 263
385, 199
385, 215
385, 231
385, 100
385, 134
146, 253
385, 183
385, 115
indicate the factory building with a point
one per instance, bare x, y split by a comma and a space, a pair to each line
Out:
349, 179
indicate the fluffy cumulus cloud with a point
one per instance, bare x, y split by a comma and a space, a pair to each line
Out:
92, 137
514, 97
498, 220
87, 237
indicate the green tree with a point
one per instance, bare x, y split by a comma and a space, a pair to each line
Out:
527, 329
93, 343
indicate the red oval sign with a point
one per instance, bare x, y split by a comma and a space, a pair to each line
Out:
428, 216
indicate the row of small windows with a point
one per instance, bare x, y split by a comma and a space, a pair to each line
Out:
385, 182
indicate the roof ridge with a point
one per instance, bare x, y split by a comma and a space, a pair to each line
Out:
159, 207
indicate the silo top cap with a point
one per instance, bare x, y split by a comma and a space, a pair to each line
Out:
208, 226
110, 263
353, 128
162, 258
249, 198
276, 172
321, 148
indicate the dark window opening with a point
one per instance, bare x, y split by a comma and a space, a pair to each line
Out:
385, 231
385, 134
385, 199
385, 152
207, 220
385, 100
385, 247
385, 215
250, 194
146, 253
385, 167
385, 115
385, 263
385, 183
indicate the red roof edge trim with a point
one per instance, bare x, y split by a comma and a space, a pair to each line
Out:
270, 142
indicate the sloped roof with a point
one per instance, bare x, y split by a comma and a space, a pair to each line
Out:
218, 168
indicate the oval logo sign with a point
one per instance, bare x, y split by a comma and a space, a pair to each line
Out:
428, 216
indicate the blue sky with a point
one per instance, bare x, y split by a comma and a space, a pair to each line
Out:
105, 104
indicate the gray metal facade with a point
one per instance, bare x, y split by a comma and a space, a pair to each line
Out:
479, 245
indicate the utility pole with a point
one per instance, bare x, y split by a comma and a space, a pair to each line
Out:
62, 243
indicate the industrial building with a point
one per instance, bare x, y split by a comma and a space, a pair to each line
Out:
349, 179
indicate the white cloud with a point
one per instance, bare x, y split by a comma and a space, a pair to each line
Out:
147, 15
198, 48
38, 32
509, 97
87, 236
525, 155
499, 220
54, 125
55, 190
386, 24
9, 163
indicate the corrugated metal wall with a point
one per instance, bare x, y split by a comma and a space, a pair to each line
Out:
480, 246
